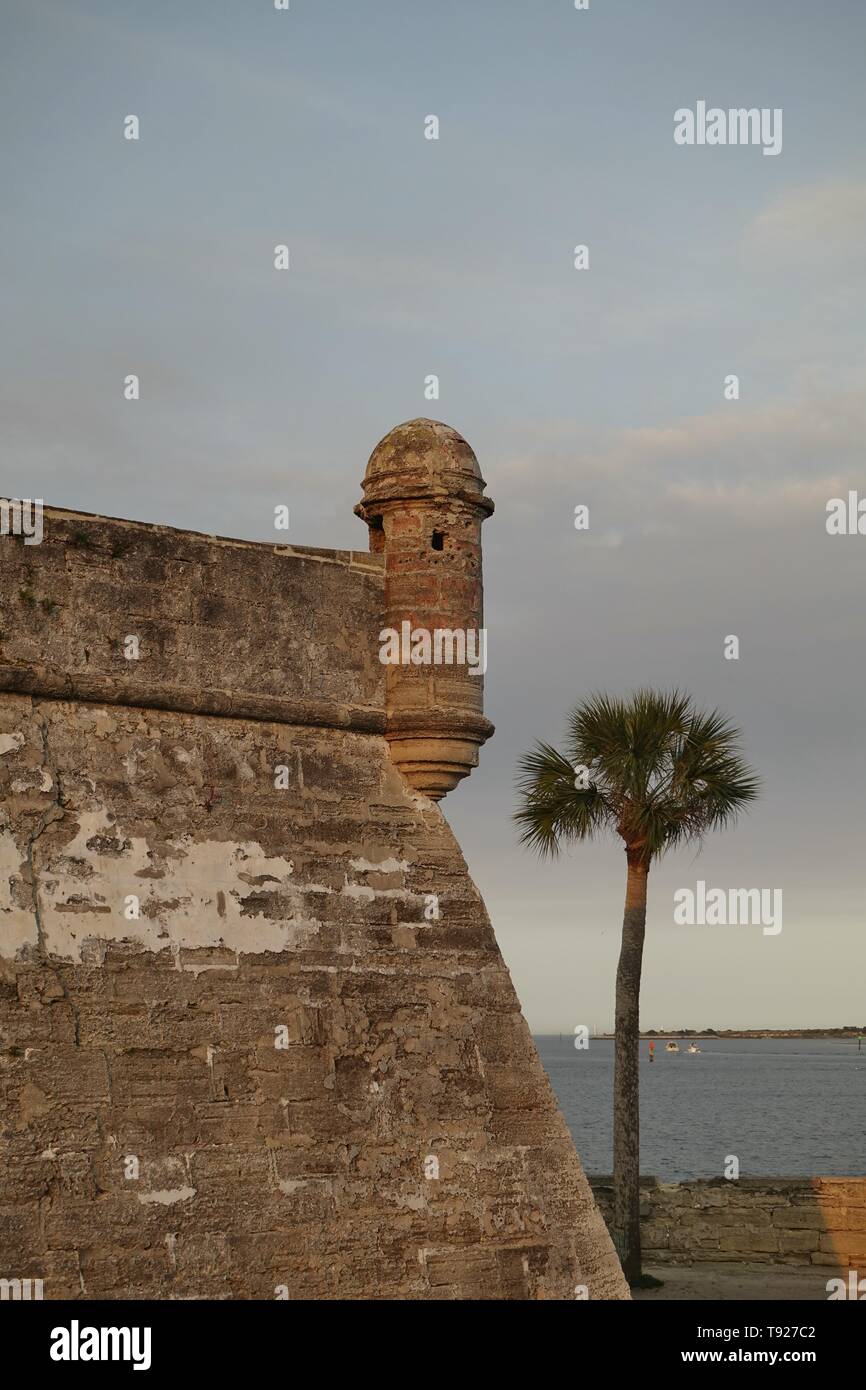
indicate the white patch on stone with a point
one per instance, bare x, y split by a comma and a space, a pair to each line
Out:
18, 927
387, 866
179, 909
365, 894
357, 890
168, 1196
195, 967
8, 742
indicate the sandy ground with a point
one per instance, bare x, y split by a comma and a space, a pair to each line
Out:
724, 1282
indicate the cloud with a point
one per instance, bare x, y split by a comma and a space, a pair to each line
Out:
817, 225
776, 503
777, 463
223, 68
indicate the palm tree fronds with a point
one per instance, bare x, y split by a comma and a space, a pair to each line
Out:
659, 773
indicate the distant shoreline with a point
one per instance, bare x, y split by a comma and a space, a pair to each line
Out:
654, 1034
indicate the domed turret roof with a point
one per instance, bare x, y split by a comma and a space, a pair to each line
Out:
423, 458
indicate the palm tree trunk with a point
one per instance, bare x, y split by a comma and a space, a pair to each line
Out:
626, 1105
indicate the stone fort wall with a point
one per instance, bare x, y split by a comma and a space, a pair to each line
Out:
791, 1221
241, 1056
224, 627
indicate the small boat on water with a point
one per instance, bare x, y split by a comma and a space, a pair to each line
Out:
672, 1047
693, 1047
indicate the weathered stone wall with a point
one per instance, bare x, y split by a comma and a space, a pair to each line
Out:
224, 627
281, 1074
794, 1221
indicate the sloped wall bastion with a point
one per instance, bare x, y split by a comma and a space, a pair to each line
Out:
256, 1036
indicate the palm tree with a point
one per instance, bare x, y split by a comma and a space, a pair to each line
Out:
659, 773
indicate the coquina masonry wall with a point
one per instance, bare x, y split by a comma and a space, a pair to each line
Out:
281, 1078
792, 1221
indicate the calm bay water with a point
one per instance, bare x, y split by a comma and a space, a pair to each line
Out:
784, 1106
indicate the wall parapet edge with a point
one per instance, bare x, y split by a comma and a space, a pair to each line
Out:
239, 629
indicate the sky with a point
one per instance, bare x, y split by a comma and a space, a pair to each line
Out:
602, 387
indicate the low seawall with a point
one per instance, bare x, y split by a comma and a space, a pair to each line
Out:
791, 1221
